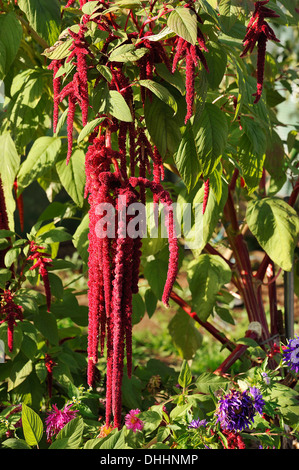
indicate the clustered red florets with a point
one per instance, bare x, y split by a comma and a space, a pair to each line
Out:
41, 262
11, 312
193, 55
259, 31
114, 255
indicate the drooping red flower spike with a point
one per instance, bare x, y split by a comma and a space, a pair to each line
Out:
118, 159
193, 56
258, 31
3, 222
41, 261
12, 312
206, 195
55, 66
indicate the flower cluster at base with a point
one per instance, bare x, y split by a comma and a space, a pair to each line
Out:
236, 410
133, 422
57, 419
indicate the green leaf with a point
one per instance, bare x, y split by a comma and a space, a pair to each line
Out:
41, 157
127, 53
10, 39
161, 92
175, 79
8, 169
210, 133
185, 377
80, 239
71, 433
32, 426
112, 102
27, 87
117, 106
206, 275
150, 302
185, 336
155, 272
138, 307
106, 72
217, 62
44, 17
45, 322
13, 443
162, 126
209, 382
183, 22
89, 128
72, 176
275, 225
151, 420
186, 159
60, 52
251, 164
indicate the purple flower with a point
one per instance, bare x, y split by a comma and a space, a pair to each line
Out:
196, 423
133, 422
258, 399
291, 354
266, 378
57, 419
235, 411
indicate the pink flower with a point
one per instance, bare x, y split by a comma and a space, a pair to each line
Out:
133, 422
57, 419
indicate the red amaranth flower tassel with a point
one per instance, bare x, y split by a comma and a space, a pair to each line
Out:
258, 31
3, 222
41, 262
13, 312
190, 70
50, 364
206, 195
55, 66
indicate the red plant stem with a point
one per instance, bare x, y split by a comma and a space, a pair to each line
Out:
236, 354
273, 302
208, 326
241, 254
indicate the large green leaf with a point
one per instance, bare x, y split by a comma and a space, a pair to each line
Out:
185, 336
44, 17
210, 132
206, 275
161, 92
162, 126
217, 62
111, 102
186, 159
10, 39
251, 164
183, 22
71, 435
10, 162
32, 426
41, 157
275, 225
72, 176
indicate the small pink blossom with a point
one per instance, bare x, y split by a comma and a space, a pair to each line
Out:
57, 419
133, 422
